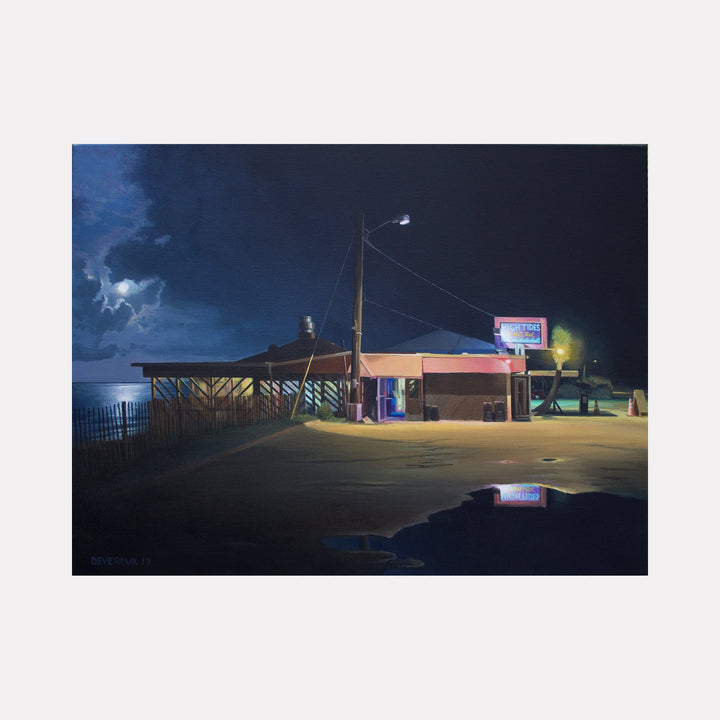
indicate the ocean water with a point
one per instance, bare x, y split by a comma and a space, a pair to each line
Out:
97, 395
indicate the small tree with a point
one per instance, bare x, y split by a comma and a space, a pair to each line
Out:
562, 350
324, 411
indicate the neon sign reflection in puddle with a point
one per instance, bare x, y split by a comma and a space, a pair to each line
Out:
520, 496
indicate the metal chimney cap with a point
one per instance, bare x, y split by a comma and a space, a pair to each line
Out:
307, 326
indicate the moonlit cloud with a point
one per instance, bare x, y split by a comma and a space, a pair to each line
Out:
140, 296
125, 259
109, 210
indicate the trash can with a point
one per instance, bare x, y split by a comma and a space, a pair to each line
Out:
584, 399
499, 411
488, 415
432, 412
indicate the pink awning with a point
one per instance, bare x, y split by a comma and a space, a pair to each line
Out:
504, 364
392, 366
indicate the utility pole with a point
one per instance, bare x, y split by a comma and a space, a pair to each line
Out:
361, 234
355, 396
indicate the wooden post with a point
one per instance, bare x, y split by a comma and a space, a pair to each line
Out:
357, 310
508, 398
124, 419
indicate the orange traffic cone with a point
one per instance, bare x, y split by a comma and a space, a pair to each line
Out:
630, 407
596, 409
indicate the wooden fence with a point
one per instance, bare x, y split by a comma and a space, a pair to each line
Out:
106, 440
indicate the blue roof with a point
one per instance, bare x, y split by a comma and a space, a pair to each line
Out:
444, 342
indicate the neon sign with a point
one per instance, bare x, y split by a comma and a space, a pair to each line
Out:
520, 496
527, 332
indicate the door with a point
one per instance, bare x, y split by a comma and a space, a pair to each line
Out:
520, 397
381, 399
414, 399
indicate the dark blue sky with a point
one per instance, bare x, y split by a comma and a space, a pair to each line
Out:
213, 252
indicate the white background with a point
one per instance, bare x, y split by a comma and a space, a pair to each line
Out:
398, 72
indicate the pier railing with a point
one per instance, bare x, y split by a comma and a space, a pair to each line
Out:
106, 440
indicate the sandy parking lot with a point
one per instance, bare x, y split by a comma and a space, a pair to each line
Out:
326, 479
354, 478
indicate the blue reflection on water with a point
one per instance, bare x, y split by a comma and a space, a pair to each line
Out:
109, 424
96, 395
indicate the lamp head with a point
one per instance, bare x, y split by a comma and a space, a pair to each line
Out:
401, 219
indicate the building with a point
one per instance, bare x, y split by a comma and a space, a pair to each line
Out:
405, 382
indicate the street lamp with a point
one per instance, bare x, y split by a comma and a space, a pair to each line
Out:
361, 235
398, 220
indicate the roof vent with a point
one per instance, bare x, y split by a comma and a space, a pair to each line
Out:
307, 328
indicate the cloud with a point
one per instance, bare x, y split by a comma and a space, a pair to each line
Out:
109, 211
88, 353
149, 239
141, 297
195, 331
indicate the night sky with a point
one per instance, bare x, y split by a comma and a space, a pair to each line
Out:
213, 252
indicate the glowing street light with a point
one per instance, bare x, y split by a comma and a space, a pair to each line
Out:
361, 235
397, 220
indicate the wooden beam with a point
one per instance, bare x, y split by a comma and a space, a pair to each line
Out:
194, 382
182, 381
159, 390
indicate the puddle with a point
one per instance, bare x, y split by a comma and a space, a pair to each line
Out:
365, 545
582, 534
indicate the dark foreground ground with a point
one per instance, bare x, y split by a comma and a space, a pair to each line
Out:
368, 500
584, 534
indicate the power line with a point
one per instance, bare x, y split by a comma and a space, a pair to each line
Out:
424, 322
430, 282
319, 333
332, 296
